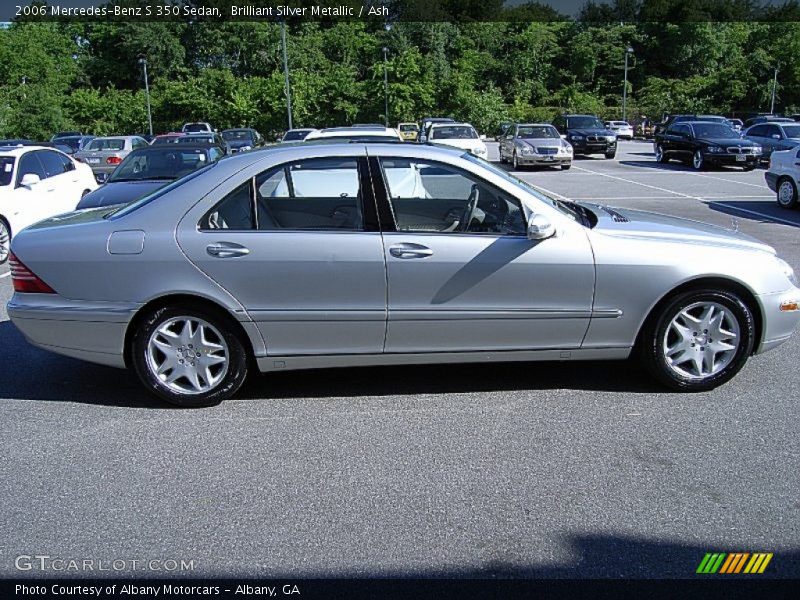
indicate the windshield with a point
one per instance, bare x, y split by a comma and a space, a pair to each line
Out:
195, 139
72, 142
6, 169
237, 135
713, 130
159, 163
360, 138
559, 205
454, 132
792, 131
190, 127
107, 144
126, 209
585, 123
409, 127
537, 131
291, 136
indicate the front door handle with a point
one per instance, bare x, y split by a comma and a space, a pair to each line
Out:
410, 251
227, 250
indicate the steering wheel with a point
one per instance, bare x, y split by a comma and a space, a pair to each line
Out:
469, 210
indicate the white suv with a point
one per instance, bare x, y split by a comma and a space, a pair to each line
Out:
783, 176
197, 128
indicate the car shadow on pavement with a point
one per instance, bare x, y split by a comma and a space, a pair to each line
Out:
42, 375
738, 208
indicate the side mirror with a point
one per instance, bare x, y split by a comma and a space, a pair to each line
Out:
29, 180
563, 136
483, 136
540, 228
101, 178
776, 136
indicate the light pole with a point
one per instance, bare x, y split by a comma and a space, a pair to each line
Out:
774, 85
143, 62
286, 75
628, 52
385, 87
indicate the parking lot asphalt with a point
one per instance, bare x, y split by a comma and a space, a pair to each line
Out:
513, 470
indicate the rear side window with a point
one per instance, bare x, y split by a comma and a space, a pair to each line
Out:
316, 194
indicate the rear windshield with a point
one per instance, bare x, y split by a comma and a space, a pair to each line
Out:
126, 209
455, 132
195, 127
113, 144
295, 135
6, 169
161, 162
237, 134
409, 127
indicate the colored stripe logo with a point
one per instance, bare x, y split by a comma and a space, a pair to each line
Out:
734, 562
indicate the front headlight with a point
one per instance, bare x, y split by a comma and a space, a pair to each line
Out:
787, 270
576, 137
526, 150
611, 138
245, 148
715, 149
479, 150
757, 150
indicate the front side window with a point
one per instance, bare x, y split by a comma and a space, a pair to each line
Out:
758, 131
791, 131
428, 197
52, 163
29, 165
6, 170
317, 194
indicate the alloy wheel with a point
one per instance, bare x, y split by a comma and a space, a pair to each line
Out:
701, 340
187, 355
514, 161
786, 194
697, 160
659, 153
5, 241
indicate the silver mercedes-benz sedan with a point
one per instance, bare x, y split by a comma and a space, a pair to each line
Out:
333, 255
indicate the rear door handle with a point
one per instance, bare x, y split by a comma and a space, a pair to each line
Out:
227, 250
409, 250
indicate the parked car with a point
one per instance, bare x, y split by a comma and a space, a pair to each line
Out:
783, 176
103, 154
671, 119
587, 134
766, 118
200, 127
774, 135
242, 139
702, 144
17, 142
296, 135
409, 131
36, 183
356, 134
459, 135
426, 123
230, 268
536, 144
210, 139
64, 134
645, 129
145, 170
77, 142
623, 129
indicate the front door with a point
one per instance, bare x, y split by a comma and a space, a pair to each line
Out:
462, 274
297, 245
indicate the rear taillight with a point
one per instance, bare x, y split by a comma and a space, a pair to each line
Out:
25, 280
113, 160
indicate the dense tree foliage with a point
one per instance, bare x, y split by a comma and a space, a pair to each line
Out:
87, 75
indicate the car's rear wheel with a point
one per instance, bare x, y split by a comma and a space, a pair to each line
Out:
698, 161
787, 193
5, 240
700, 340
660, 155
189, 357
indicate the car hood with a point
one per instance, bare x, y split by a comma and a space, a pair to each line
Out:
725, 142
120, 193
624, 222
540, 142
592, 131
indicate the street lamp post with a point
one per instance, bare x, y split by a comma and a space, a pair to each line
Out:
628, 52
143, 62
385, 87
774, 85
286, 75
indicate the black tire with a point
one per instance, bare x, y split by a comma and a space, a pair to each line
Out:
5, 241
662, 156
515, 163
566, 166
238, 360
653, 336
786, 193
611, 154
698, 161
748, 167
85, 192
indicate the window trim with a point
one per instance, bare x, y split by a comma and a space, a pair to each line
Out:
386, 210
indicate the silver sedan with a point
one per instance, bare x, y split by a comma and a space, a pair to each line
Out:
535, 144
334, 255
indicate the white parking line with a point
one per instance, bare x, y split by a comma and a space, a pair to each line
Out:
652, 187
5, 275
762, 215
728, 197
756, 185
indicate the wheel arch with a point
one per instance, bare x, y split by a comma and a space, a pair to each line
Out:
189, 301
714, 283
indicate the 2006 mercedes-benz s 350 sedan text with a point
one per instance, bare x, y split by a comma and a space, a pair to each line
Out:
333, 254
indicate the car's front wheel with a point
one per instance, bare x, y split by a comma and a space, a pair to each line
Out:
5, 241
787, 194
189, 357
698, 161
700, 340
514, 161
660, 155
611, 153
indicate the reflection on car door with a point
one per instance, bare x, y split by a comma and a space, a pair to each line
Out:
482, 285
298, 246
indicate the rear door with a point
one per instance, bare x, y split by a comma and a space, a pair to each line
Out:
29, 204
64, 183
298, 246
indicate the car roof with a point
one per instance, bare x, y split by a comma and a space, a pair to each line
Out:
20, 150
535, 125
